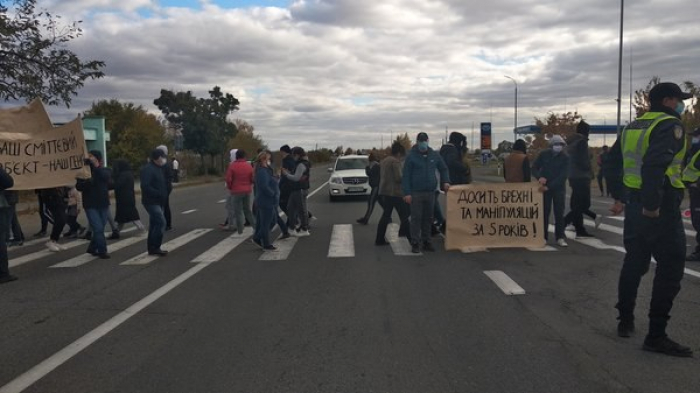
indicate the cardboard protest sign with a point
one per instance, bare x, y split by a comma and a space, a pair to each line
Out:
36, 154
494, 216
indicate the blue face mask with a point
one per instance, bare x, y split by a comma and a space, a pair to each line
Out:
696, 140
423, 146
680, 107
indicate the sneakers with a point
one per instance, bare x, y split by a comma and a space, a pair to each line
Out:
159, 252
302, 233
7, 278
625, 328
428, 247
694, 257
415, 249
598, 220
667, 346
53, 246
285, 236
562, 243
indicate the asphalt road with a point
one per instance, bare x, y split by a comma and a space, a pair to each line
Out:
316, 321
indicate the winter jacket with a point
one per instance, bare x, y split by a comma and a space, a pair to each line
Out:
96, 189
579, 158
239, 177
460, 173
154, 190
390, 177
419, 171
6, 181
552, 167
516, 167
373, 173
267, 192
289, 164
124, 193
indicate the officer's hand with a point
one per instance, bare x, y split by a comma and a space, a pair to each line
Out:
542, 180
617, 208
650, 213
407, 199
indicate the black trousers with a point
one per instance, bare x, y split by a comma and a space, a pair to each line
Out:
373, 198
167, 214
389, 203
555, 198
664, 239
695, 214
579, 204
601, 179
58, 213
4, 228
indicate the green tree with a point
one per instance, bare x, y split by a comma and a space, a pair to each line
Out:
246, 139
33, 59
641, 97
134, 132
405, 141
563, 124
203, 121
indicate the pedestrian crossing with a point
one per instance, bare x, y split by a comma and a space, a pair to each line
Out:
342, 245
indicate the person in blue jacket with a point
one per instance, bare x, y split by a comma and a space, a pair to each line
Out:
419, 182
550, 169
267, 198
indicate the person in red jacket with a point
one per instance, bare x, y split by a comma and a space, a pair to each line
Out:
239, 181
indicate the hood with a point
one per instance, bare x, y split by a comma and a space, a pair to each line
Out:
350, 173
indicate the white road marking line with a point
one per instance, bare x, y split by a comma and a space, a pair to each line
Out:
222, 201
284, 248
39, 371
189, 211
317, 190
507, 285
342, 242
399, 245
44, 253
542, 249
144, 258
225, 246
86, 258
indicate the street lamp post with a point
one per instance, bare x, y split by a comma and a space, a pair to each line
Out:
515, 121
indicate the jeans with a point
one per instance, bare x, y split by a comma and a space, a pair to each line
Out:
580, 204
280, 222
389, 203
438, 217
296, 210
166, 213
664, 239
156, 226
97, 217
4, 228
241, 205
264, 216
556, 197
422, 208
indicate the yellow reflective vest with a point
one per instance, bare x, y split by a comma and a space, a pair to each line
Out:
634, 144
690, 174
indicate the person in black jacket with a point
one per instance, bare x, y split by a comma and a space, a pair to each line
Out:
453, 154
168, 175
124, 195
550, 170
95, 192
154, 194
289, 164
6, 182
372, 171
55, 200
580, 176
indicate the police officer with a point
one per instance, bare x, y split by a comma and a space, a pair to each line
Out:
647, 157
691, 175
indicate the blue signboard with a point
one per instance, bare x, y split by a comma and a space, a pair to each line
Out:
485, 136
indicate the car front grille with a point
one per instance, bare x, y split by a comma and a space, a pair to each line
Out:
355, 180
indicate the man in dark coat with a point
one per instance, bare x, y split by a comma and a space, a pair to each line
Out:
580, 176
168, 175
154, 194
6, 182
96, 202
124, 195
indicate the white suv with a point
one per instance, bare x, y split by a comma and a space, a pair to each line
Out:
348, 177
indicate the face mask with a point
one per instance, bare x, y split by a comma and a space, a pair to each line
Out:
162, 161
680, 107
557, 148
269, 163
696, 140
423, 146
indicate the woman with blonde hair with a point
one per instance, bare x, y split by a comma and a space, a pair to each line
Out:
267, 196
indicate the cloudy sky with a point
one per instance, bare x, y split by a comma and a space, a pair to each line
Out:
351, 72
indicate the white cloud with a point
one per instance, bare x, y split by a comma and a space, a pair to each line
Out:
343, 72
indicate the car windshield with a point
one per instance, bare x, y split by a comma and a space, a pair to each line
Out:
351, 163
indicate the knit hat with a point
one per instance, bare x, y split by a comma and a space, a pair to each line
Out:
557, 140
157, 153
163, 148
286, 149
422, 137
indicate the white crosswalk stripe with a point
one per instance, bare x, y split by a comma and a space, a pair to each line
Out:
86, 258
284, 248
44, 253
399, 245
342, 242
144, 258
220, 250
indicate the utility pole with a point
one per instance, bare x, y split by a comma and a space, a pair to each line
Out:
619, 67
515, 121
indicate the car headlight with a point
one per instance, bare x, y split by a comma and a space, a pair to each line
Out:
337, 180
